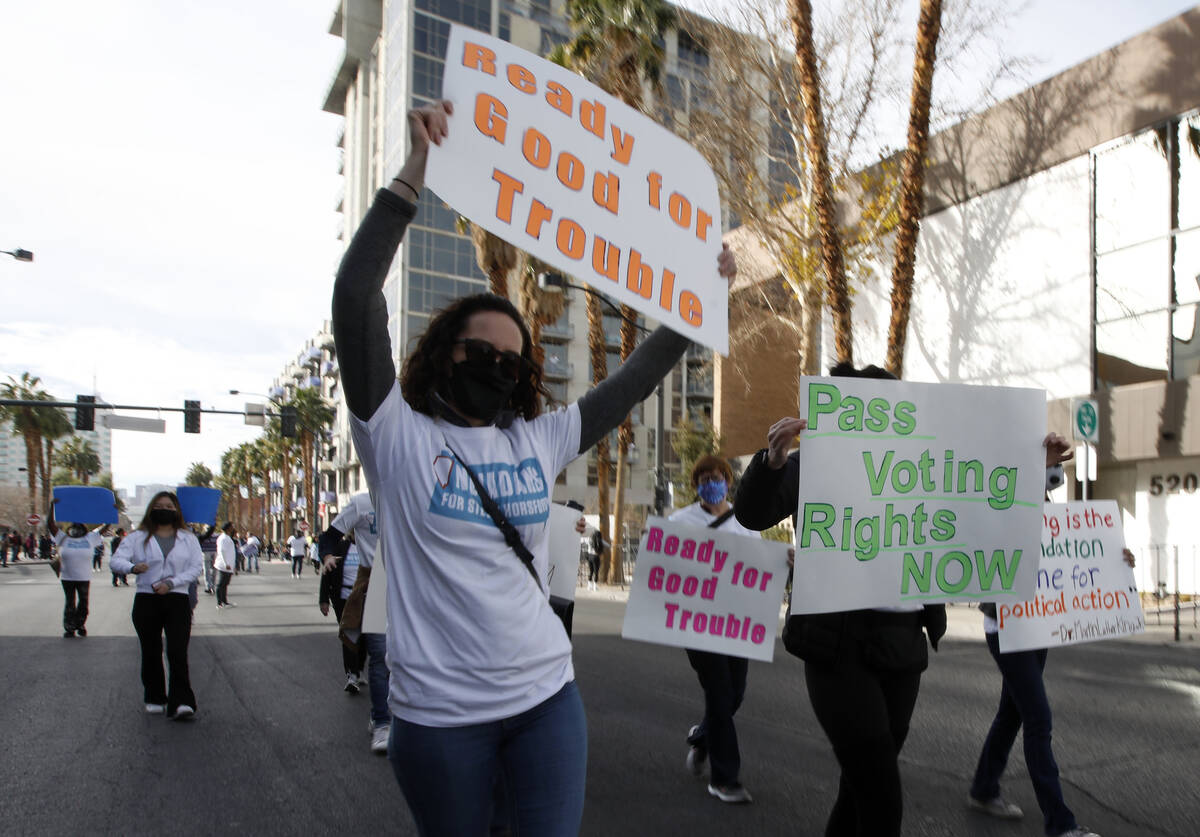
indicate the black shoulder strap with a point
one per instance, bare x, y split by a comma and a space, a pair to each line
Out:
717, 523
511, 536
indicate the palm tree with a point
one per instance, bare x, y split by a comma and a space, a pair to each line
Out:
912, 182
26, 424
598, 348
199, 474
816, 149
258, 462
538, 306
496, 258
313, 415
54, 425
79, 457
617, 45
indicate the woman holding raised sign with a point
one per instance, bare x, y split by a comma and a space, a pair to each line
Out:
461, 459
862, 667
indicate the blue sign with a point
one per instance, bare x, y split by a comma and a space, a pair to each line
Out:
199, 504
89, 504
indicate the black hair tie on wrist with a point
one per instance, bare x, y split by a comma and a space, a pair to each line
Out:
409, 185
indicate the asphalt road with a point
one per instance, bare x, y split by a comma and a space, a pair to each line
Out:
278, 748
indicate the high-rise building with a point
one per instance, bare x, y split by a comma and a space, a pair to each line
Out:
393, 61
13, 457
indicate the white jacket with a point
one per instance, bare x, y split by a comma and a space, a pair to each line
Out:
226, 559
179, 568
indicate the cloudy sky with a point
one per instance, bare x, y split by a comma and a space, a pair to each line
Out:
170, 167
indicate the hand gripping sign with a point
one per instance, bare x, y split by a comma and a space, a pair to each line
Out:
708, 590
917, 493
557, 167
1085, 590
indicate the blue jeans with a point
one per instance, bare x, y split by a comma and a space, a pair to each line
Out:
448, 774
377, 677
1023, 703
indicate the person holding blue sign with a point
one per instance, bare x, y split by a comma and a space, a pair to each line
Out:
76, 546
482, 684
862, 668
166, 558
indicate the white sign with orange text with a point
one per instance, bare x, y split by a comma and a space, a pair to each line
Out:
552, 164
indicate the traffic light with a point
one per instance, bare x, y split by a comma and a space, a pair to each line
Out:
191, 416
287, 422
85, 413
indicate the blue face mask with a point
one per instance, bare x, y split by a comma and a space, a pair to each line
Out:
712, 492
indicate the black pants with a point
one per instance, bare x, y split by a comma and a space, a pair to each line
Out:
352, 660
223, 586
154, 616
297, 565
75, 611
865, 714
723, 679
593, 567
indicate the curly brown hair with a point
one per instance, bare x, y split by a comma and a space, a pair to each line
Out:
425, 373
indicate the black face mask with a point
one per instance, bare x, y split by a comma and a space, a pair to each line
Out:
479, 393
163, 517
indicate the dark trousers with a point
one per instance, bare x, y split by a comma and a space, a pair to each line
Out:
353, 660
593, 567
297, 565
120, 577
1023, 703
154, 616
865, 714
75, 611
223, 586
723, 679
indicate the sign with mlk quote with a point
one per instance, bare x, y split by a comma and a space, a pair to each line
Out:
557, 167
1085, 590
705, 589
917, 493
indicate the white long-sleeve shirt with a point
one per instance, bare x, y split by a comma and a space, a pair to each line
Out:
179, 568
226, 558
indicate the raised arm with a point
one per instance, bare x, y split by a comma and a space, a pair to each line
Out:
360, 329
769, 490
605, 405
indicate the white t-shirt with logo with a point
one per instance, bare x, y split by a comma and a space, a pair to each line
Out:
359, 517
471, 637
77, 554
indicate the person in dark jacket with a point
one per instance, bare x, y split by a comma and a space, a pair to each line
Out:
337, 579
862, 667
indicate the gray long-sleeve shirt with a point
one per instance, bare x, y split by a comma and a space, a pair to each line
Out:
364, 347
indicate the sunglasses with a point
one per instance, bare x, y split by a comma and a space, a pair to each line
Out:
483, 356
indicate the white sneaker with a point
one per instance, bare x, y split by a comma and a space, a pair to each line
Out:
351, 686
1079, 832
730, 793
183, 712
1000, 808
156, 709
379, 739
